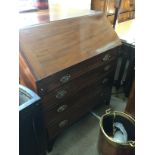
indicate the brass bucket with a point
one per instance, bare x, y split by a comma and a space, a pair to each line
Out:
106, 143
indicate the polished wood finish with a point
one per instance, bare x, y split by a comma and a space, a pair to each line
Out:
124, 16
127, 9
73, 87
69, 42
130, 108
25, 75
94, 95
52, 104
75, 71
99, 5
72, 64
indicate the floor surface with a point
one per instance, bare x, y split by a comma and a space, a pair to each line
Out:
81, 138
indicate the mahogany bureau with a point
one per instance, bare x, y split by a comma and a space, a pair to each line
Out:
70, 63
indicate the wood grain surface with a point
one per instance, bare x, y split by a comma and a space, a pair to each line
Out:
52, 82
54, 46
83, 48
130, 108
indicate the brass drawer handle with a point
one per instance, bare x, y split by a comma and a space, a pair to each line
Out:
65, 78
106, 68
62, 108
63, 123
42, 92
105, 80
60, 94
106, 57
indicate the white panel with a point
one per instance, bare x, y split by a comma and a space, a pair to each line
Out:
77, 4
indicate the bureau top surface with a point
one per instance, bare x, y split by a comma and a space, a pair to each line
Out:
56, 45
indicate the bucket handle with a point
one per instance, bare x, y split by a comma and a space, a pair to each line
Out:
131, 143
108, 111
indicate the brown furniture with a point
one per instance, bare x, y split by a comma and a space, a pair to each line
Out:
69, 62
127, 9
126, 62
130, 108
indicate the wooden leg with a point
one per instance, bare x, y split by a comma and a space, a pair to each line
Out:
130, 73
130, 108
123, 55
121, 72
51, 144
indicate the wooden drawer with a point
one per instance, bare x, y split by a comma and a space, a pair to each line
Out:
48, 84
70, 89
82, 106
54, 112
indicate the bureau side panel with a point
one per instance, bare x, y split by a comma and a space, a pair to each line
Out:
25, 76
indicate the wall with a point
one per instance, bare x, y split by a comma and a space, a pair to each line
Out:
77, 4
